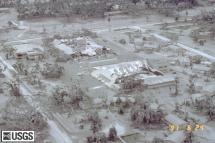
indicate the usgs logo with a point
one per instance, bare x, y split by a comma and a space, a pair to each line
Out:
17, 136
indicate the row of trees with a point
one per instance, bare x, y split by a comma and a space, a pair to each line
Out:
99, 137
73, 96
144, 115
7, 3
89, 8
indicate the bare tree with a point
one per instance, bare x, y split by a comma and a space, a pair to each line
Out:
96, 122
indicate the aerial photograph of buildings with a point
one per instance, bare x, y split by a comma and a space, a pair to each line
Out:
107, 71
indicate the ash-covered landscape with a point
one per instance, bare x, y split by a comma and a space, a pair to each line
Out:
108, 71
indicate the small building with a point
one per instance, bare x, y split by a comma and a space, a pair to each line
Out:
160, 81
30, 51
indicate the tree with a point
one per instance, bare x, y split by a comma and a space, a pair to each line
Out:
144, 115
96, 122
97, 138
112, 134
189, 137
135, 1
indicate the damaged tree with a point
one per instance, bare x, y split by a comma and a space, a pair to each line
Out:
96, 122
19, 67
95, 126
72, 96
34, 79
13, 88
